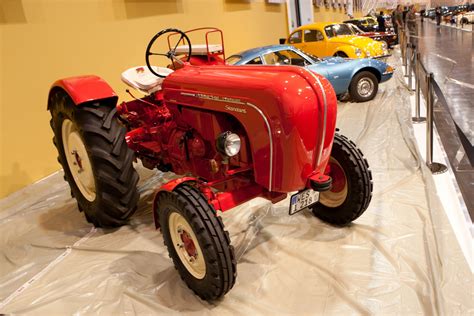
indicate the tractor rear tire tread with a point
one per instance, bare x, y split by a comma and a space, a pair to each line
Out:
111, 159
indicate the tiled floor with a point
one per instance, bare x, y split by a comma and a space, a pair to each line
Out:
448, 53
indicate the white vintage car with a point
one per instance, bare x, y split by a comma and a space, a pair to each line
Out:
465, 18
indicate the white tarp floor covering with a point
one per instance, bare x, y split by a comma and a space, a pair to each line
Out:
400, 257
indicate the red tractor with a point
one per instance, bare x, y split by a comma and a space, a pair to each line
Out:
234, 133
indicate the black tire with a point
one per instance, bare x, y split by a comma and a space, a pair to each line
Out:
340, 206
371, 79
213, 241
340, 54
114, 177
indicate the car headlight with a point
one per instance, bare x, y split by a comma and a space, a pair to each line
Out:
389, 69
228, 144
384, 46
367, 53
358, 52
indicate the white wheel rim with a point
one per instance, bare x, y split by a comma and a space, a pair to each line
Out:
365, 87
78, 160
181, 236
334, 199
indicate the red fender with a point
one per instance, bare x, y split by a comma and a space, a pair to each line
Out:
85, 89
168, 187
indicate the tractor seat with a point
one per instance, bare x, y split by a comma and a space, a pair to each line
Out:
199, 49
141, 78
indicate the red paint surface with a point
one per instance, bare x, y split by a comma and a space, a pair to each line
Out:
86, 88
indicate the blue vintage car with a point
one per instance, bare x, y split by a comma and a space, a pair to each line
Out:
357, 77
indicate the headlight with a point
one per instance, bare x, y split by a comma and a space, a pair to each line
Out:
228, 144
367, 53
358, 52
384, 46
389, 70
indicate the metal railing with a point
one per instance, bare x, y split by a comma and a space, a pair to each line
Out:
424, 85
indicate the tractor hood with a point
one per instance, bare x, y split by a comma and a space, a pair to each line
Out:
289, 114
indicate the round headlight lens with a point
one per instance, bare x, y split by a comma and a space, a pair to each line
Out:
358, 52
228, 144
367, 53
384, 45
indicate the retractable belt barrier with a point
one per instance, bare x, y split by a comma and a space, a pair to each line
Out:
426, 85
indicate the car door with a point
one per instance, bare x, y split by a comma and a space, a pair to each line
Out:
314, 43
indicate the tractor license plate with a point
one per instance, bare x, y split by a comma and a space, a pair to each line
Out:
303, 199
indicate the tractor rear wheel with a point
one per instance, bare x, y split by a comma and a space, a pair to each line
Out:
96, 160
197, 242
351, 189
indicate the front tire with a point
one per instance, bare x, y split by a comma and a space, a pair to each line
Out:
197, 242
352, 186
364, 86
96, 160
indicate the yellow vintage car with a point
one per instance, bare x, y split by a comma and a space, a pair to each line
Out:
335, 39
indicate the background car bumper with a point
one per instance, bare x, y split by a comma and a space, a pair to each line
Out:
386, 76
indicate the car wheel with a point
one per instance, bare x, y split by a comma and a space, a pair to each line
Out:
364, 86
340, 54
96, 160
197, 242
351, 190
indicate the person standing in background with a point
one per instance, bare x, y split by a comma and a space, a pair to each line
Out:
438, 15
411, 24
404, 14
394, 24
381, 22
398, 25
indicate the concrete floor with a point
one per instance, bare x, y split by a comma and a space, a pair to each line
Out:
448, 53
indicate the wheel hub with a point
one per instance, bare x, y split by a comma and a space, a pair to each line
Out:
365, 87
338, 177
186, 245
339, 190
78, 160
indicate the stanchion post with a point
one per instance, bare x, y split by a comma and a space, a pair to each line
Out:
410, 66
407, 47
403, 47
435, 167
418, 118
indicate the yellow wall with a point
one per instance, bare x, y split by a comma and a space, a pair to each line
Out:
323, 14
43, 40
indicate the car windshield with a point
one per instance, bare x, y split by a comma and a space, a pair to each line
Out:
355, 30
286, 57
337, 30
232, 60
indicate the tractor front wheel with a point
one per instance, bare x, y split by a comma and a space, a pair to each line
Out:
351, 189
197, 242
96, 160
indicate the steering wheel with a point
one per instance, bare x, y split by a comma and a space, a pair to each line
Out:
170, 54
